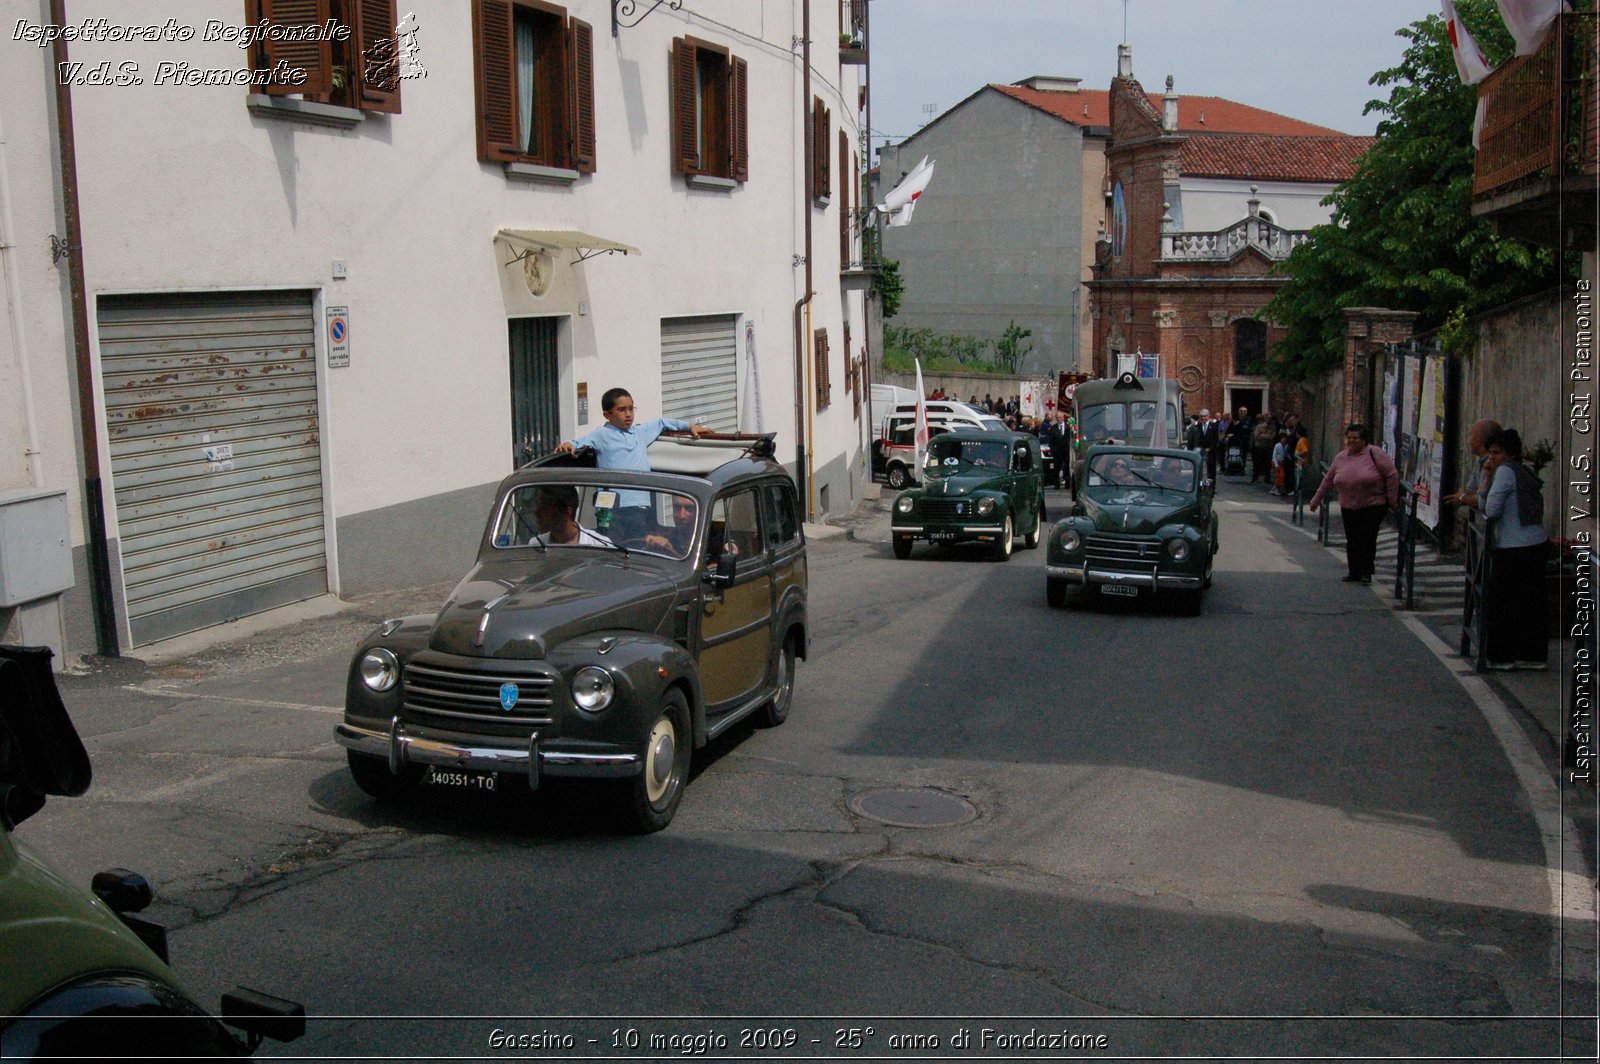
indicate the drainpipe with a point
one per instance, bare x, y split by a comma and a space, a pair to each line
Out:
19, 342
802, 307
99, 548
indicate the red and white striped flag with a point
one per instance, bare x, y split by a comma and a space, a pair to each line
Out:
1471, 63
1529, 20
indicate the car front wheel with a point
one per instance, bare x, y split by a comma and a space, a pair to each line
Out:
373, 776
652, 796
902, 547
1055, 592
1002, 547
898, 477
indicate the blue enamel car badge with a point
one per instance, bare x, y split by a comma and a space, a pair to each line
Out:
508, 696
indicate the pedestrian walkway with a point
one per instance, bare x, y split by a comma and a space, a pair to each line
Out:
1439, 581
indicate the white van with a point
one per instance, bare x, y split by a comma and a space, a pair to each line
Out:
893, 454
885, 397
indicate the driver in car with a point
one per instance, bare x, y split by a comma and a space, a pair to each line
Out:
1119, 472
555, 509
674, 539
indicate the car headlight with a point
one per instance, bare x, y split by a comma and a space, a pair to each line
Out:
592, 688
1069, 539
1178, 549
380, 669
985, 507
904, 504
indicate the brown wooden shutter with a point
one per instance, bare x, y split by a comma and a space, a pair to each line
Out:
580, 54
378, 60
314, 57
739, 119
685, 145
496, 85
844, 210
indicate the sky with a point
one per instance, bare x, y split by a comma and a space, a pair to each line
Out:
1309, 59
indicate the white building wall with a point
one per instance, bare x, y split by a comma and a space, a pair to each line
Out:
183, 189
1210, 204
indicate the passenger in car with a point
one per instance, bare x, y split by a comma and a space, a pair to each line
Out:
555, 508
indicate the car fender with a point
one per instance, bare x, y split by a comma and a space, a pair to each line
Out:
643, 663
402, 637
792, 612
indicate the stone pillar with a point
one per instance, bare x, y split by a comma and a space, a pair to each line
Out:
1365, 328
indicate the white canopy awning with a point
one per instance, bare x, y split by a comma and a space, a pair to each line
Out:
526, 240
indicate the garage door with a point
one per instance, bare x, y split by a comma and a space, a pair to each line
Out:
216, 461
700, 371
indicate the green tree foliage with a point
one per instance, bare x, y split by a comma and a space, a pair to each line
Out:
890, 286
1009, 349
1402, 235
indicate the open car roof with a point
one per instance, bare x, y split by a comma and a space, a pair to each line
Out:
679, 454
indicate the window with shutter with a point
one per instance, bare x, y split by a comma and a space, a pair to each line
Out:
534, 85
710, 129
360, 72
844, 208
821, 152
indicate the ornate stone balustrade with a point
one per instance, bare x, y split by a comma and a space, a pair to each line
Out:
1271, 240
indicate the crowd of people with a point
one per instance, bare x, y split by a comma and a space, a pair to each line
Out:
1275, 450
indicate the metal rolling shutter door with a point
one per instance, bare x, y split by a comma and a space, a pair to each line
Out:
209, 537
700, 371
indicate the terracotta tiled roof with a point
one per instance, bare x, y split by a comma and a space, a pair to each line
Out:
1196, 114
1273, 158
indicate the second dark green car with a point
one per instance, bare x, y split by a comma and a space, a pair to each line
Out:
977, 487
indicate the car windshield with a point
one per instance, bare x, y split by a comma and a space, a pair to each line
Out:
949, 455
1145, 471
597, 516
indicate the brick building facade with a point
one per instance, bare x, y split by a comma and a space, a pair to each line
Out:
1193, 292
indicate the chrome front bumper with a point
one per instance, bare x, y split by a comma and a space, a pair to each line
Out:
534, 760
1151, 581
921, 532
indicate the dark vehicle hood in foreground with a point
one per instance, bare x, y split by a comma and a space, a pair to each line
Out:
1139, 511
538, 600
965, 482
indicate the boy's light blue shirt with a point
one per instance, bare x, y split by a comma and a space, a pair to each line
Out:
616, 448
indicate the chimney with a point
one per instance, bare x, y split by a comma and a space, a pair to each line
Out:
1124, 61
1169, 109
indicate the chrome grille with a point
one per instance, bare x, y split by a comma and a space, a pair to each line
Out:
946, 508
1134, 553
456, 694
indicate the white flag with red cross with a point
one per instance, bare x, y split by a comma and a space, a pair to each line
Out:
1471, 63
1529, 21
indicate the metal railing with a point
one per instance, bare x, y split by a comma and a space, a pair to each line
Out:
1475, 605
1405, 561
1303, 490
1539, 111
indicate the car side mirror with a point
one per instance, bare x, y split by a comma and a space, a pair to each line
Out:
122, 890
727, 565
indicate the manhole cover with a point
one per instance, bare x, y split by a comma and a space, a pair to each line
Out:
912, 807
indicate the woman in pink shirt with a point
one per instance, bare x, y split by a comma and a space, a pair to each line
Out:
1368, 485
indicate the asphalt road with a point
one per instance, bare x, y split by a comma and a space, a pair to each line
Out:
1281, 828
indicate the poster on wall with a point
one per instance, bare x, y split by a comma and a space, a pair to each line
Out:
1428, 473
1391, 405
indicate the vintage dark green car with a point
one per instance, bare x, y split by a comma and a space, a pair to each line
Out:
1141, 524
978, 487
614, 622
